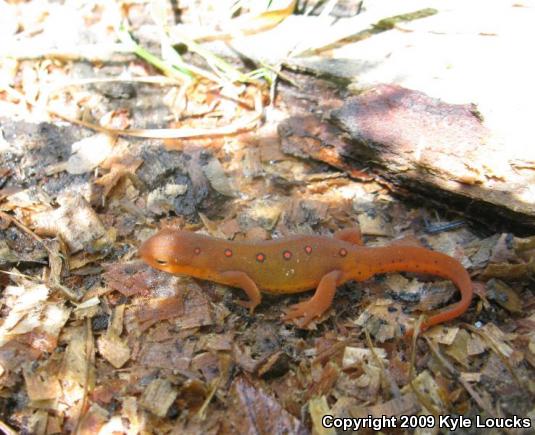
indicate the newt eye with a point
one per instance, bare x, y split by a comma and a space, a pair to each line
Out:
162, 262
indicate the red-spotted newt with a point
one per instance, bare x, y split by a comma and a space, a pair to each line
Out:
299, 263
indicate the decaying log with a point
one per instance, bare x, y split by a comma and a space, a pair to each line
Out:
419, 145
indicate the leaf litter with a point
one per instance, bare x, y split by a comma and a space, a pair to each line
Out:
94, 341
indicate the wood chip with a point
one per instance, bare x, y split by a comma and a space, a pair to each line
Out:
358, 355
251, 163
442, 334
75, 360
374, 224
113, 349
208, 364
25, 310
135, 277
476, 345
504, 295
318, 408
89, 152
427, 387
406, 404
75, 222
147, 312
218, 179
497, 337
471, 377
458, 350
40, 384
93, 420
276, 364
217, 342
158, 397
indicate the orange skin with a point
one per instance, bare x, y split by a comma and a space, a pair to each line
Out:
299, 263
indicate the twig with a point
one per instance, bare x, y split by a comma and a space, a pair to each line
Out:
24, 228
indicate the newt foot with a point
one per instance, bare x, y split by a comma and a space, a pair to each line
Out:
306, 310
248, 304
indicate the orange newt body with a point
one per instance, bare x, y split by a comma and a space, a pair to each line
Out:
299, 263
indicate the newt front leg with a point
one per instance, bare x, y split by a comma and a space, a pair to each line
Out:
236, 278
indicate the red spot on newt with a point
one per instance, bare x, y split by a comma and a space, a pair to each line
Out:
287, 255
197, 251
308, 249
260, 257
228, 252
342, 252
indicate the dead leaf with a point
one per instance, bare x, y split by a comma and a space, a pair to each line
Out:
150, 311
172, 354
118, 168
254, 411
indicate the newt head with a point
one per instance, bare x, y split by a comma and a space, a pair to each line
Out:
169, 250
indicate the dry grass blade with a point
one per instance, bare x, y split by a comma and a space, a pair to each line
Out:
244, 124
421, 398
170, 133
202, 410
6, 429
250, 24
394, 389
89, 353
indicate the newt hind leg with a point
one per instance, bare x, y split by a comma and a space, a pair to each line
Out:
351, 235
317, 304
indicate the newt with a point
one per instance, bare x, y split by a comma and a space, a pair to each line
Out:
299, 263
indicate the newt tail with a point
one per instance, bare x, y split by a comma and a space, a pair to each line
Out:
421, 260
